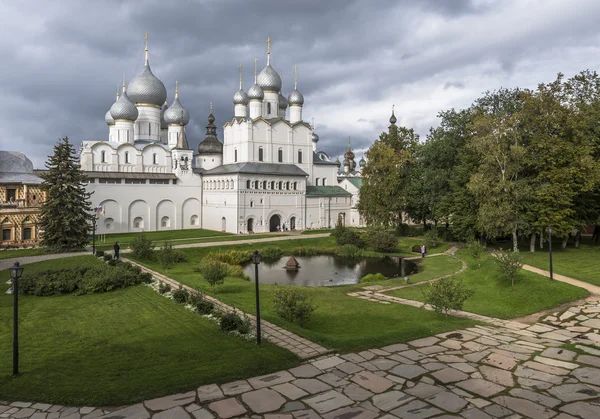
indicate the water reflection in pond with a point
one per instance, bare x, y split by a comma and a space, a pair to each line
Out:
322, 271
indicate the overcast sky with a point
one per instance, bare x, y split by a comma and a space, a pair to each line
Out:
62, 61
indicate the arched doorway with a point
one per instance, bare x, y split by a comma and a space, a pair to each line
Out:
223, 224
274, 222
293, 223
250, 225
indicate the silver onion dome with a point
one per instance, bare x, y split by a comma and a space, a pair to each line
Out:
346, 162
362, 162
295, 98
269, 80
283, 103
256, 92
393, 118
147, 89
163, 124
315, 137
108, 118
123, 109
240, 98
176, 114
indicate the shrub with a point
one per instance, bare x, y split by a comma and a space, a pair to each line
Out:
231, 257
477, 251
245, 326
200, 303
293, 305
271, 253
113, 262
373, 278
382, 241
447, 294
509, 264
142, 247
146, 277
100, 253
349, 237
230, 321
214, 272
181, 295
432, 239
349, 251
166, 256
236, 271
163, 288
305, 251
107, 257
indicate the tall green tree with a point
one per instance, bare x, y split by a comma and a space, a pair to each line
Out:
383, 199
66, 214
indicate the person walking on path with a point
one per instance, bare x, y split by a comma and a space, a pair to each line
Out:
117, 247
423, 251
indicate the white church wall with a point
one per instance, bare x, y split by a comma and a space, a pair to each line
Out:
322, 171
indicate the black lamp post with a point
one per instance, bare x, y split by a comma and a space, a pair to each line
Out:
256, 260
94, 234
15, 273
550, 248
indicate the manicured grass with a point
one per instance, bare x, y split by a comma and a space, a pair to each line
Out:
165, 235
493, 296
119, 347
582, 263
17, 253
340, 322
228, 238
318, 231
434, 267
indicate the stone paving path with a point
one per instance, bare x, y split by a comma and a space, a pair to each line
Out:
7, 263
269, 331
582, 319
479, 372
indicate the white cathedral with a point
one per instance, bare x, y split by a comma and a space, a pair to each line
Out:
266, 174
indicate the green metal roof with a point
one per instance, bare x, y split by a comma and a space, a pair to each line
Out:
356, 181
326, 191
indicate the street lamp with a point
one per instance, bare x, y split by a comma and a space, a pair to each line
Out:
94, 234
15, 273
256, 260
550, 248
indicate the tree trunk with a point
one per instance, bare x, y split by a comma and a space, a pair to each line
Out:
596, 235
577, 238
542, 241
565, 240
515, 238
424, 225
532, 243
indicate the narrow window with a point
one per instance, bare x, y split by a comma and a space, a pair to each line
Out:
27, 233
317, 182
260, 154
103, 156
154, 159
268, 108
256, 184
272, 185
300, 156
149, 128
280, 155
287, 186
251, 204
280, 186
324, 181
248, 184
235, 155
295, 185
127, 155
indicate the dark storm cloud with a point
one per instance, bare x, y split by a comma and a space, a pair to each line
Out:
63, 61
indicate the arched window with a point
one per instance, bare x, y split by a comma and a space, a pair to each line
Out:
280, 186
317, 182
127, 157
154, 161
149, 128
256, 184
138, 222
194, 220
235, 155
300, 156
251, 204
287, 185
260, 154
280, 155
248, 184
324, 181
272, 185
227, 184
295, 185
108, 223
268, 108
264, 185
165, 222
103, 156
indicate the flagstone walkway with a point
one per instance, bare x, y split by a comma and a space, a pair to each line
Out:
479, 372
269, 331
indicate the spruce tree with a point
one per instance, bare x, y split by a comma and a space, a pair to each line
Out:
67, 211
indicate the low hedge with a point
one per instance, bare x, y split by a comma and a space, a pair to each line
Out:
82, 280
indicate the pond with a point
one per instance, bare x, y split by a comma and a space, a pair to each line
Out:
323, 271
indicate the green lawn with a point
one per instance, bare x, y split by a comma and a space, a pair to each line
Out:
493, 296
119, 347
582, 263
318, 231
166, 235
18, 253
435, 267
340, 322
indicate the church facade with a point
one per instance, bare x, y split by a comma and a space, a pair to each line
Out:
266, 175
